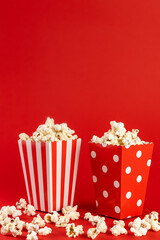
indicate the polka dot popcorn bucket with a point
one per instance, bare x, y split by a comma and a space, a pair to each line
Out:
120, 176
50, 172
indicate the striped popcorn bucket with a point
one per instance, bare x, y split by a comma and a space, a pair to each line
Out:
50, 172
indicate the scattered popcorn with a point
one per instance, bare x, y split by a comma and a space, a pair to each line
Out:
138, 227
16, 213
3, 216
71, 212
30, 210
102, 227
48, 218
152, 220
44, 231
118, 135
21, 204
32, 236
32, 227
93, 232
38, 220
50, 132
93, 219
74, 231
69, 209
118, 228
15, 226
62, 221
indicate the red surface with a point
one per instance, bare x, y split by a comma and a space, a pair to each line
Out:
113, 184
84, 63
60, 233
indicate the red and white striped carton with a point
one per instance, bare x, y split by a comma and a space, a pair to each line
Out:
120, 176
50, 172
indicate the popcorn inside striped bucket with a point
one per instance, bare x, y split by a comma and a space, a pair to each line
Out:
50, 171
120, 176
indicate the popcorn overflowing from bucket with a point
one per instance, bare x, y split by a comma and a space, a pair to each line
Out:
118, 135
50, 132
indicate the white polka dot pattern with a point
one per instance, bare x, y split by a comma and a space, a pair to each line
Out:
139, 154
116, 184
128, 195
139, 203
117, 209
94, 179
104, 168
115, 158
105, 194
93, 154
149, 163
128, 170
139, 178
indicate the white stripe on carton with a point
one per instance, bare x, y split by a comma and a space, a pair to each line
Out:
49, 176
78, 146
40, 175
24, 169
67, 172
58, 180
31, 171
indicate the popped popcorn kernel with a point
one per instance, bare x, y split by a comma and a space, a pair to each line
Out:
32, 236
62, 221
118, 228
71, 212
21, 204
153, 220
38, 220
118, 135
44, 231
32, 227
48, 218
50, 132
138, 227
30, 210
74, 231
93, 233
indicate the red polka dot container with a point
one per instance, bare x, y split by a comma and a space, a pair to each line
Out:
120, 176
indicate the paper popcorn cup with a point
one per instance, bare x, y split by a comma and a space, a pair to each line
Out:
120, 176
50, 172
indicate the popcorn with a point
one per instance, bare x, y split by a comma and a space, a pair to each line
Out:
50, 132
74, 231
21, 204
48, 218
102, 227
88, 216
23, 136
38, 220
62, 221
32, 236
93, 219
71, 212
29, 210
32, 227
118, 228
14, 226
152, 220
44, 231
138, 227
3, 216
16, 213
93, 232
118, 135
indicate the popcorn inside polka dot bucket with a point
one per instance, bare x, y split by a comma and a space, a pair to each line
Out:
120, 176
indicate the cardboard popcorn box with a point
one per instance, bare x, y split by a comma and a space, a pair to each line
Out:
120, 176
50, 172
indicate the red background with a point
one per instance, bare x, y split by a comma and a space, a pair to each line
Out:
84, 63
